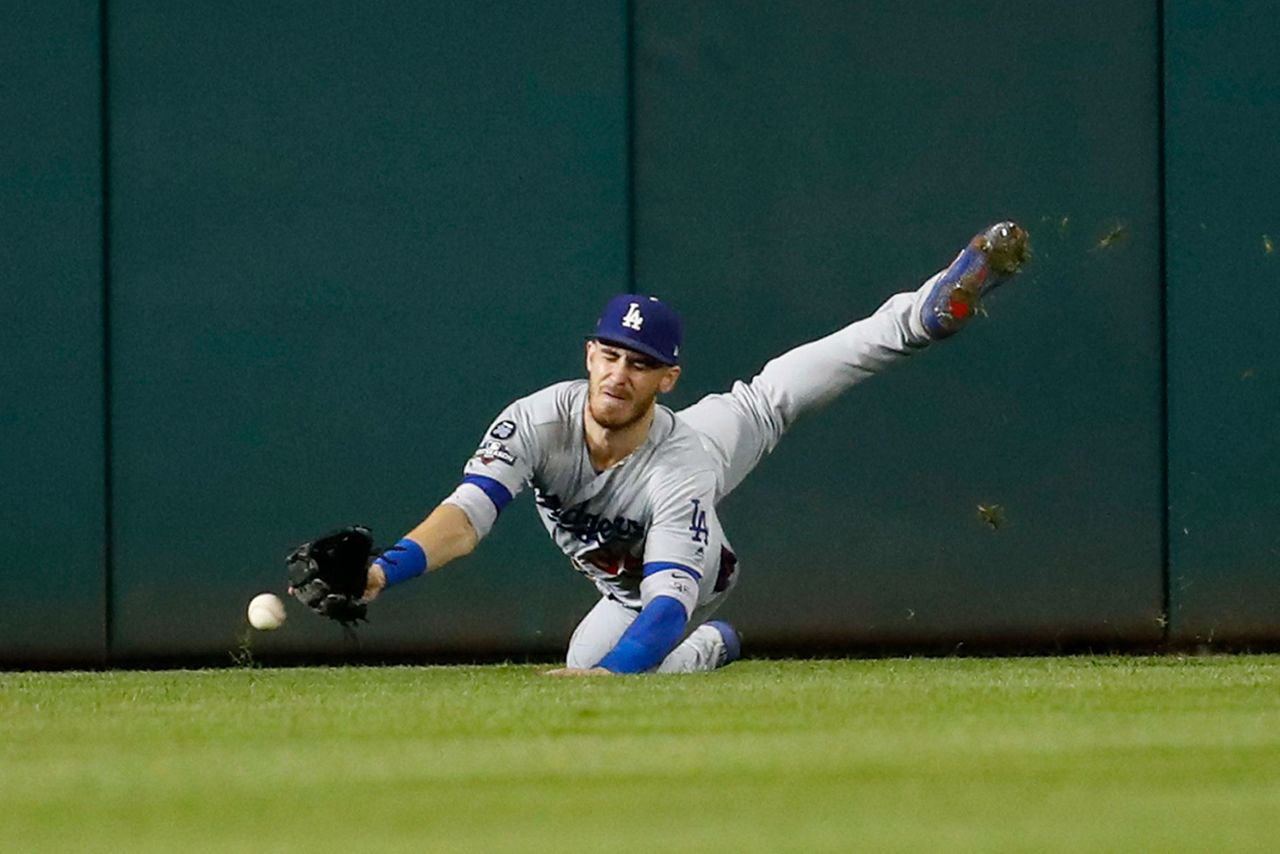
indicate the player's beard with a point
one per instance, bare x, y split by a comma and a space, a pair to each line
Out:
613, 413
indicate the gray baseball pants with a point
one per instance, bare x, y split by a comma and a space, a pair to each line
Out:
741, 426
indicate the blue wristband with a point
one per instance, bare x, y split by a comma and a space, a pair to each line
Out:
403, 561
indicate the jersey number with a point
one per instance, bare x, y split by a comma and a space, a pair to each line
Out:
698, 524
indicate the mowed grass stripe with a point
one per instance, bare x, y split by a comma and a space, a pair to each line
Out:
1116, 753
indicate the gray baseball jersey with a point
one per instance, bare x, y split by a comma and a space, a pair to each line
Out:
657, 506
648, 514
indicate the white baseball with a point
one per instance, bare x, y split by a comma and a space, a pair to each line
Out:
266, 612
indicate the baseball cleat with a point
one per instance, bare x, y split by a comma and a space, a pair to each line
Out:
990, 259
732, 642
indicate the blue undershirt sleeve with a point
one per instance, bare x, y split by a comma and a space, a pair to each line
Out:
649, 639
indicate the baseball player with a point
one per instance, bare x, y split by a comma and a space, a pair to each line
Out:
628, 489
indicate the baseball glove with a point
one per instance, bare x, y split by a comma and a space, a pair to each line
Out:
328, 575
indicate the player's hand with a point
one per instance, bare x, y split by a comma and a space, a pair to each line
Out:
579, 671
329, 574
376, 580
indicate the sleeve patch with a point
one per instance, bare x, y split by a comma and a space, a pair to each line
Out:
503, 430
493, 450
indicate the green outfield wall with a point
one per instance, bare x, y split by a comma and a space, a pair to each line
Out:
797, 163
1223, 215
52, 506
282, 282
344, 236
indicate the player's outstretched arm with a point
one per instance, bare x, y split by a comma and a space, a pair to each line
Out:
446, 534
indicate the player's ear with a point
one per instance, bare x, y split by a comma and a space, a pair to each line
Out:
590, 343
669, 379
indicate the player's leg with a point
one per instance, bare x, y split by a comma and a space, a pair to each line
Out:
708, 646
712, 643
599, 632
740, 427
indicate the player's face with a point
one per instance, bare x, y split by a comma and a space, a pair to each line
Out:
623, 384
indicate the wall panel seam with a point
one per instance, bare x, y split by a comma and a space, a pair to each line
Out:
104, 100
629, 83
1162, 71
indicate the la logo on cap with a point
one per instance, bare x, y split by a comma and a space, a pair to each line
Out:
633, 318
641, 323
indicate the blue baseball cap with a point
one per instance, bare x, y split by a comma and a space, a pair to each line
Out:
642, 323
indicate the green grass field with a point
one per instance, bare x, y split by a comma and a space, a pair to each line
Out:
1110, 753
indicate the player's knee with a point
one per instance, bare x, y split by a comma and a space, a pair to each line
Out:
578, 657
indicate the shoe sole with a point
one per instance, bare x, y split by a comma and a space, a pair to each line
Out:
992, 256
